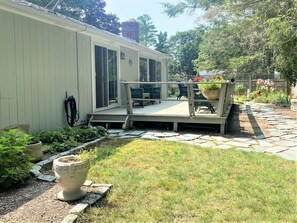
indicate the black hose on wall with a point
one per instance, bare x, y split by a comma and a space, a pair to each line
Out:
72, 114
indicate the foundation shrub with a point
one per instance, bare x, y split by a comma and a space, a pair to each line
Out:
14, 162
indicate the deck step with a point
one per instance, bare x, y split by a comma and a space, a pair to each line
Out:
106, 120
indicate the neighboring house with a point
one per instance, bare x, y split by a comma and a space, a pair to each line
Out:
44, 56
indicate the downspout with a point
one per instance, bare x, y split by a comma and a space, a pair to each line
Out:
77, 65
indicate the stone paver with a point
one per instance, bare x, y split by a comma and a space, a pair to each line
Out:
79, 208
289, 155
70, 218
285, 143
47, 178
281, 140
128, 136
276, 149
239, 144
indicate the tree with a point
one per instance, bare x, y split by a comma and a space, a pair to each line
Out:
186, 6
184, 49
282, 38
147, 30
162, 43
263, 36
96, 16
88, 11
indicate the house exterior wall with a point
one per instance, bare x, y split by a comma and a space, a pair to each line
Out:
43, 56
129, 69
39, 65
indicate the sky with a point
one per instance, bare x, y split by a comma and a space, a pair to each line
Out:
128, 9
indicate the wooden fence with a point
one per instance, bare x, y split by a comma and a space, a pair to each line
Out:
280, 85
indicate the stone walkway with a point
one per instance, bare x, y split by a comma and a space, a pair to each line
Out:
281, 141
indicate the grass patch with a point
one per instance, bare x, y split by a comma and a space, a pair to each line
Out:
173, 182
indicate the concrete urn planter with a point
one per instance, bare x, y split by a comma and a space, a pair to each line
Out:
34, 150
211, 94
71, 173
294, 104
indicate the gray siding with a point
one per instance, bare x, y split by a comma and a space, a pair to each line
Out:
38, 64
129, 72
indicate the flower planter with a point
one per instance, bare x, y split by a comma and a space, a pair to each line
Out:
34, 150
294, 104
211, 94
71, 173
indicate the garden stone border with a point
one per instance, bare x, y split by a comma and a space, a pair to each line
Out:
95, 192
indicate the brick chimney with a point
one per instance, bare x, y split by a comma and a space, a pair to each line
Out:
130, 30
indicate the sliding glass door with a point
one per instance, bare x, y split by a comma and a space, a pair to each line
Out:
106, 77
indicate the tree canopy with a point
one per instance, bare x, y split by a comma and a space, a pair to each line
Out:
251, 37
162, 42
147, 30
88, 11
184, 49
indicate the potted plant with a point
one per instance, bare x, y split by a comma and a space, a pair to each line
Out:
34, 148
211, 87
71, 173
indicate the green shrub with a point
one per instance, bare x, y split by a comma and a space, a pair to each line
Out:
63, 146
86, 134
239, 89
240, 99
253, 95
52, 136
173, 88
67, 138
262, 99
278, 98
14, 162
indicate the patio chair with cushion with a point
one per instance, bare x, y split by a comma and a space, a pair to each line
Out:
183, 91
155, 92
137, 93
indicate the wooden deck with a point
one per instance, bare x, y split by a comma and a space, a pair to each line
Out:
169, 110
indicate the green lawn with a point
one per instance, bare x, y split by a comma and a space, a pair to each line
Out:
160, 181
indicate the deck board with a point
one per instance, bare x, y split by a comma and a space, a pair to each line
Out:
166, 108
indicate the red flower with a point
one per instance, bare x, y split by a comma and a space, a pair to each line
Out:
198, 79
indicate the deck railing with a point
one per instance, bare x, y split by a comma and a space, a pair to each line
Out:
221, 105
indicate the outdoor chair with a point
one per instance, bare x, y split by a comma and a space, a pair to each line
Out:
183, 91
155, 92
137, 93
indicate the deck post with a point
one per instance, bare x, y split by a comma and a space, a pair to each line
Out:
129, 99
222, 100
126, 124
222, 129
191, 98
175, 126
229, 92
